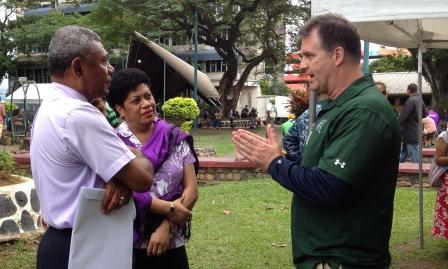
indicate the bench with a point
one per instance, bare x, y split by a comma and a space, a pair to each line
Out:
428, 152
412, 168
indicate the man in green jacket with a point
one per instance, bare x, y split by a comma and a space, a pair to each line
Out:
341, 211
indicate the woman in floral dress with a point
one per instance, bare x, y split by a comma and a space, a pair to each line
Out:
440, 228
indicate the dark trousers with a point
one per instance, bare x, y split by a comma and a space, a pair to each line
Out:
54, 249
175, 258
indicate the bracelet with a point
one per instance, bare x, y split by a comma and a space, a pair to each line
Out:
170, 214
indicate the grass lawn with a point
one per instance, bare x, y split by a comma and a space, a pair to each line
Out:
221, 140
246, 225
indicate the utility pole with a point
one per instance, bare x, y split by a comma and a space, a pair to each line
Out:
195, 63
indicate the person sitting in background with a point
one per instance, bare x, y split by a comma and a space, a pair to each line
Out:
218, 119
429, 130
253, 118
444, 116
434, 115
162, 225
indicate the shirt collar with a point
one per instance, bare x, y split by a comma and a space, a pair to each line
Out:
69, 91
353, 90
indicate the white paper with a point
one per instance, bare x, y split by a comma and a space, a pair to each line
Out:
99, 240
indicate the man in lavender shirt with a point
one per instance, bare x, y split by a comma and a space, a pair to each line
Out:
73, 145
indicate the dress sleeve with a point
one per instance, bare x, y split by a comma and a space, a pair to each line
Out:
92, 140
185, 153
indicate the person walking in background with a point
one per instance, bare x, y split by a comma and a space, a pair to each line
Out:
162, 225
409, 125
2, 118
271, 112
343, 191
73, 145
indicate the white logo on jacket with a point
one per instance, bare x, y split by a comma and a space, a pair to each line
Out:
341, 164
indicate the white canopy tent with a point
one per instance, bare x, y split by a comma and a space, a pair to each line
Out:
400, 23
34, 93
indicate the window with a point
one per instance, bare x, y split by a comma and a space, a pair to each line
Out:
223, 66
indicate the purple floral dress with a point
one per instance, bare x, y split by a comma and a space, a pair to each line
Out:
167, 177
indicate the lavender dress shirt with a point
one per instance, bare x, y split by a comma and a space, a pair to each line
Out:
72, 145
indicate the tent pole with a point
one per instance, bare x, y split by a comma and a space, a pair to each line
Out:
164, 84
420, 143
366, 58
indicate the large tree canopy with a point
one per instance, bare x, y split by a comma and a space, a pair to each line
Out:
7, 15
435, 70
244, 33
390, 63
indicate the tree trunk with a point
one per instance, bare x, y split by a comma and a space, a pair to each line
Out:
435, 70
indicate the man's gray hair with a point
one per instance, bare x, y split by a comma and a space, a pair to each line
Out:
68, 43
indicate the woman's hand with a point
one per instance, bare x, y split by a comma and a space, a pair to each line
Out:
180, 215
160, 240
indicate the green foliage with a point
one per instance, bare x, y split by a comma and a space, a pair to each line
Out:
240, 31
187, 125
400, 63
272, 86
33, 33
181, 108
6, 161
10, 107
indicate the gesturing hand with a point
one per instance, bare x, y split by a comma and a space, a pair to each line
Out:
256, 149
116, 196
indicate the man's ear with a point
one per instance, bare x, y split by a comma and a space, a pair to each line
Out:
339, 55
76, 66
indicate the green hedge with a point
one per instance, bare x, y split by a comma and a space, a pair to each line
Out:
181, 108
181, 111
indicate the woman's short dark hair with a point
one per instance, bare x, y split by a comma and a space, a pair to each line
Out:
123, 82
334, 31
